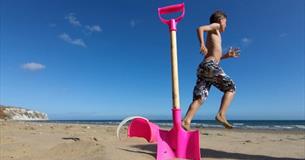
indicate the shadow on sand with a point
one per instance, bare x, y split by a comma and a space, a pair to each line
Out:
150, 149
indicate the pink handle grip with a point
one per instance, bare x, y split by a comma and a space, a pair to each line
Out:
171, 9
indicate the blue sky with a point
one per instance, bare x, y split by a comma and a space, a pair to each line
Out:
110, 59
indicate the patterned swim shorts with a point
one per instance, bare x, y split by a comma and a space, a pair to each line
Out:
210, 73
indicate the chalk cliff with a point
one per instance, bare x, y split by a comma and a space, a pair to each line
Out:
18, 113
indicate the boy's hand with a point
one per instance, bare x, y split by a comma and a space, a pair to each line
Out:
203, 50
233, 52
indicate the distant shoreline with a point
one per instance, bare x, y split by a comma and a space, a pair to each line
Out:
243, 125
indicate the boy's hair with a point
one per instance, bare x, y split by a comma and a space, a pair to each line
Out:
216, 16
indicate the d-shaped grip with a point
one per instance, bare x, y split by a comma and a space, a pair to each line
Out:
172, 9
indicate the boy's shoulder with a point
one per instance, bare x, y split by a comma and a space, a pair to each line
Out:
215, 26
211, 27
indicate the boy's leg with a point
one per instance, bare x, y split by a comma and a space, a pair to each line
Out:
224, 83
194, 106
200, 93
225, 102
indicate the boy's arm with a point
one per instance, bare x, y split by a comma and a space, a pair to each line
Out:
225, 56
232, 53
201, 30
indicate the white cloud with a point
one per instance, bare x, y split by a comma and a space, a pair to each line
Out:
132, 23
73, 20
246, 41
32, 66
282, 35
94, 28
68, 39
52, 25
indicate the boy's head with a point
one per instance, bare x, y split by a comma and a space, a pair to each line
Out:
221, 18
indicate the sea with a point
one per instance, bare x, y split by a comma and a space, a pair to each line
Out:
291, 125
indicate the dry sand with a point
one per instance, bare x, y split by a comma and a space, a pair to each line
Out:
50, 141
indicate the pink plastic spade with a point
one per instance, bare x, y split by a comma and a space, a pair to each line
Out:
175, 143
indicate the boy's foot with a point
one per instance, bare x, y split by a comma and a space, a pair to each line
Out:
223, 121
186, 126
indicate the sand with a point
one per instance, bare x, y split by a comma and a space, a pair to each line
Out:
51, 141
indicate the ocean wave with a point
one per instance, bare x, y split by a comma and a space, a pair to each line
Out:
300, 126
238, 124
258, 127
283, 127
269, 125
165, 124
212, 125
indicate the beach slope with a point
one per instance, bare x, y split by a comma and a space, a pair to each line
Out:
53, 141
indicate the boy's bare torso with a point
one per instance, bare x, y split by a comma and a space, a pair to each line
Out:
213, 44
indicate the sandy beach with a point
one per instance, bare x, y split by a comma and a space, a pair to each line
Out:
53, 141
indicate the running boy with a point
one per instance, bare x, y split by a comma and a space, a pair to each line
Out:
210, 73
